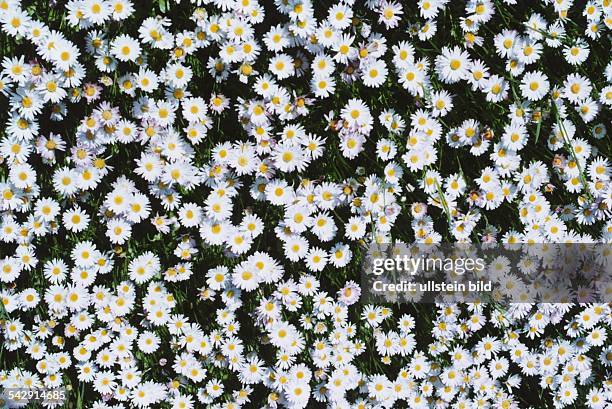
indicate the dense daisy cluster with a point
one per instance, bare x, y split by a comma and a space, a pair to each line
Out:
186, 192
